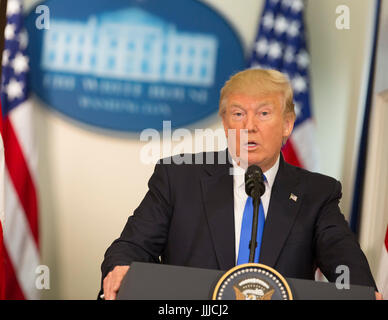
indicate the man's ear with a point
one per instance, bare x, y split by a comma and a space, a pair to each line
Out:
288, 124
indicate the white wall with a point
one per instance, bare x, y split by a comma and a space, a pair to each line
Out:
340, 62
90, 180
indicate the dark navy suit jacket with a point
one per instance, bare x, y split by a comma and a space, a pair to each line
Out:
187, 219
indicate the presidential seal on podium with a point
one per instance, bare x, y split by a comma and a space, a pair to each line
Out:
252, 281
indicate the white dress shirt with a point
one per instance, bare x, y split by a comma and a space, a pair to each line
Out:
240, 196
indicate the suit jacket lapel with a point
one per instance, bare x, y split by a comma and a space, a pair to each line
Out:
217, 192
282, 211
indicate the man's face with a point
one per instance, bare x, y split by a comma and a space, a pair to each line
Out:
265, 127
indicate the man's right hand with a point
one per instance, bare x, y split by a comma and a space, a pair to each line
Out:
112, 282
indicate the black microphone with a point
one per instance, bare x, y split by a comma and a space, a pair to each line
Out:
255, 188
254, 182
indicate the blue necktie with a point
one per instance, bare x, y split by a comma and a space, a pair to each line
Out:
246, 232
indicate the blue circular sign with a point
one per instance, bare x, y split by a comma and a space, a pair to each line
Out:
129, 65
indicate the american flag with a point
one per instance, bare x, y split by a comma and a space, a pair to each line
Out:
382, 274
281, 44
2, 260
21, 235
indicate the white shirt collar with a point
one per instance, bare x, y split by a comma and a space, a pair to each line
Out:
271, 173
239, 173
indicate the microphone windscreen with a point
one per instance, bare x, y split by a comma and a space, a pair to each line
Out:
254, 182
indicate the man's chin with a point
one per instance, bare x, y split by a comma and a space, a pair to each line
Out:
256, 161
249, 159
244, 163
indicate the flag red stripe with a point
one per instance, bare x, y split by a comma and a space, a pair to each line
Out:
21, 177
2, 266
290, 154
386, 239
12, 288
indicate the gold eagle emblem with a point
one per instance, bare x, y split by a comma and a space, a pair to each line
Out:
249, 295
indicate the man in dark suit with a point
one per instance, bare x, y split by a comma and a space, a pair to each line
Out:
192, 214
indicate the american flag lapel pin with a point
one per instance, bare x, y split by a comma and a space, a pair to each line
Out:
293, 197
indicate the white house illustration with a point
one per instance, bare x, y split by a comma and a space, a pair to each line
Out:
130, 44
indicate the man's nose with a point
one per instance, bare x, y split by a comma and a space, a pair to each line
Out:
251, 124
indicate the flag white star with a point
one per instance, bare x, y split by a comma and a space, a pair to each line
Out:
286, 3
14, 89
289, 55
281, 24
255, 65
275, 50
20, 63
6, 54
302, 59
13, 7
9, 31
297, 5
268, 21
262, 46
297, 109
23, 39
299, 84
293, 29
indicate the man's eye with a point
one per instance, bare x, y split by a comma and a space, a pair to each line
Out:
237, 115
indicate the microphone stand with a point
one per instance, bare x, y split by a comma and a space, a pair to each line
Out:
253, 242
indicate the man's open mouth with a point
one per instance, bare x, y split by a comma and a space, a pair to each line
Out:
251, 145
